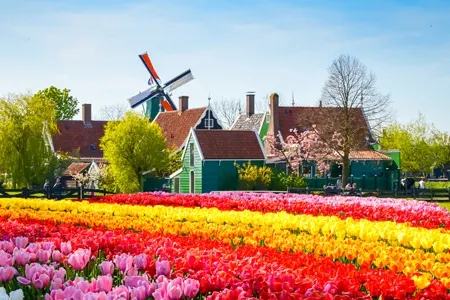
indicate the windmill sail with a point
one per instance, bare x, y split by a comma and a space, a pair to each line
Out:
178, 81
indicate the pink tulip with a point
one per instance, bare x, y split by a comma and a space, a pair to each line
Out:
60, 273
138, 293
21, 242
43, 255
40, 281
7, 273
163, 268
55, 295
174, 290
120, 292
141, 261
56, 256
66, 248
6, 259
56, 284
104, 283
79, 259
191, 287
124, 262
23, 280
7, 246
33, 248
107, 268
48, 246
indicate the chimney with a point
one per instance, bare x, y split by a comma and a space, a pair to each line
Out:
250, 104
86, 111
274, 125
183, 103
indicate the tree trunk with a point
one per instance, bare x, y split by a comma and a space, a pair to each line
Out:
345, 170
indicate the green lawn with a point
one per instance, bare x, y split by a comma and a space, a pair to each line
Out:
445, 204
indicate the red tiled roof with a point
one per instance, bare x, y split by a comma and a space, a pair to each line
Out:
176, 126
362, 155
229, 144
75, 168
75, 135
304, 117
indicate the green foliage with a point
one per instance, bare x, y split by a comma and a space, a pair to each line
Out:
172, 166
422, 147
66, 106
133, 145
106, 179
282, 181
26, 123
436, 184
252, 177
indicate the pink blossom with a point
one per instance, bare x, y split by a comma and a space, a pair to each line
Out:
7, 246
56, 256
7, 273
40, 280
163, 268
43, 255
56, 284
6, 259
106, 268
21, 242
66, 248
191, 287
175, 289
55, 295
104, 283
124, 262
79, 259
141, 261
120, 292
138, 293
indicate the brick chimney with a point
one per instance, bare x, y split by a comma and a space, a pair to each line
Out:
86, 111
274, 125
250, 104
183, 103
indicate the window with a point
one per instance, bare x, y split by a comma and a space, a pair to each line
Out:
192, 185
209, 123
191, 152
93, 147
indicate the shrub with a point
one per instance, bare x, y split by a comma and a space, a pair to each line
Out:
283, 181
252, 177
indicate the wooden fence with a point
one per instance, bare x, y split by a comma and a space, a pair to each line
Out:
71, 193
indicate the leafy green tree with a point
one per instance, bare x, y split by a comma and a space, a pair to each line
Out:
252, 177
26, 123
418, 143
131, 146
66, 106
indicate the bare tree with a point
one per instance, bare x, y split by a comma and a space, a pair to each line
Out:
227, 110
350, 90
113, 111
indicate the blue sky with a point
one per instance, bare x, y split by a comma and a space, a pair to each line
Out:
231, 47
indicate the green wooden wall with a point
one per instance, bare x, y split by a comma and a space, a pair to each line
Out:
222, 175
264, 128
197, 169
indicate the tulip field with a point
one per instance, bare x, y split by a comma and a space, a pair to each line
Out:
224, 246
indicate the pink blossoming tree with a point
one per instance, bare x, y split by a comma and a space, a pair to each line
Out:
300, 147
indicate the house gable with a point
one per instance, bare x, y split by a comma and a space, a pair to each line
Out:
208, 120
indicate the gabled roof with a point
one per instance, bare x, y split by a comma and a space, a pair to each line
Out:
229, 144
291, 117
362, 155
75, 135
244, 122
175, 125
75, 168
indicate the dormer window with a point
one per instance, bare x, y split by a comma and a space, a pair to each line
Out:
93, 147
209, 123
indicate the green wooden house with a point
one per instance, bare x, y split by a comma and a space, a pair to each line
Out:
209, 159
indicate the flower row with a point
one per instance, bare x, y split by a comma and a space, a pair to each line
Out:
39, 269
225, 272
359, 241
418, 213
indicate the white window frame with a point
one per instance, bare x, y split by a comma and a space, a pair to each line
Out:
209, 123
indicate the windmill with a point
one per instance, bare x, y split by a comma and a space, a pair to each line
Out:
157, 97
